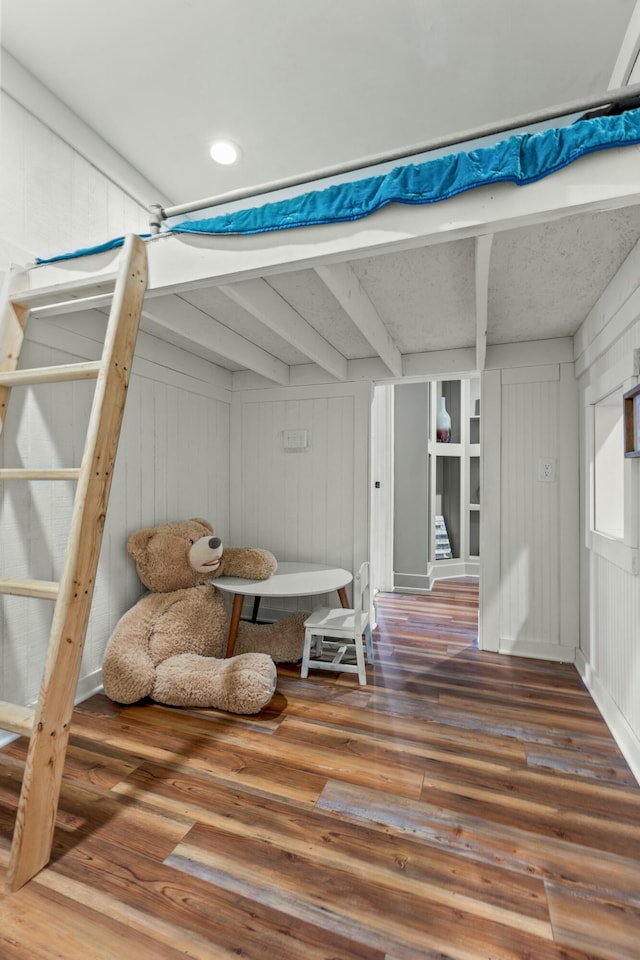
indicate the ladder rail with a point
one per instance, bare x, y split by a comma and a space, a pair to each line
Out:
37, 808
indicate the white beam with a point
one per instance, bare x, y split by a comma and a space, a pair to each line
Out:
174, 313
629, 50
262, 301
605, 180
23, 87
354, 300
483, 259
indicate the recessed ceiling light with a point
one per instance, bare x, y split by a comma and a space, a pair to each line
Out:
223, 151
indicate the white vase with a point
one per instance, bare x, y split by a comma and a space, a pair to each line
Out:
443, 423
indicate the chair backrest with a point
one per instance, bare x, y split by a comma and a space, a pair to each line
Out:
361, 591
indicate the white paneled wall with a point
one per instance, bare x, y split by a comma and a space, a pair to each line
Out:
173, 463
529, 543
309, 505
609, 655
52, 200
530, 531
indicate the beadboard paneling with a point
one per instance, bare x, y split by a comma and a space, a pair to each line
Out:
610, 596
173, 462
52, 199
309, 505
530, 529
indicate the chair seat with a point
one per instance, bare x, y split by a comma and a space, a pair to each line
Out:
338, 619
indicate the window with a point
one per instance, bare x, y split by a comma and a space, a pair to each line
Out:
612, 508
609, 467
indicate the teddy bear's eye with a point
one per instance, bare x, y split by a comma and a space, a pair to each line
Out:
191, 542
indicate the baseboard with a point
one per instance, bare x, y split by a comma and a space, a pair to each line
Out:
412, 591
620, 730
448, 569
411, 583
557, 652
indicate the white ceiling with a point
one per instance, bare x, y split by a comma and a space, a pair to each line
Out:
303, 84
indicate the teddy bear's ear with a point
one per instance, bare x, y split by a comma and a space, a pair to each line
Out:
205, 523
138, 541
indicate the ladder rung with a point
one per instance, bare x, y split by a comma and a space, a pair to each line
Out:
16, 719
82, 287
72, 306
45, 473
43, 589
66, 371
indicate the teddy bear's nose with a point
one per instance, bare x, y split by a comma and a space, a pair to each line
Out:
215, 542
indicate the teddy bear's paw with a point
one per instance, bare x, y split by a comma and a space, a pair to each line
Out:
243, 684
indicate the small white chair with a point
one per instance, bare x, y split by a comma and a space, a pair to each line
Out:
338, 629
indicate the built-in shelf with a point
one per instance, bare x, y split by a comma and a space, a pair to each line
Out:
454, 474
447, 449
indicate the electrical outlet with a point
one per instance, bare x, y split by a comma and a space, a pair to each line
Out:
547, 471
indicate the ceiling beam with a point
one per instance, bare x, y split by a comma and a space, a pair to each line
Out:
354, 300
629, 50
483, 261
174, 313
262, 302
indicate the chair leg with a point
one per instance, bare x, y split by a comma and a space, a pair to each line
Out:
369, 643
362, 673
306, 653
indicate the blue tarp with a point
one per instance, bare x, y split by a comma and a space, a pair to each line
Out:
521, 159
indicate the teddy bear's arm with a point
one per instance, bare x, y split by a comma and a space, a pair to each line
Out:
249, 562
128, 671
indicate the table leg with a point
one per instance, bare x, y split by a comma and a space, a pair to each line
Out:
344, 599
236, 610
256, 607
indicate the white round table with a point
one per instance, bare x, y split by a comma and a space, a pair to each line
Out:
291, 579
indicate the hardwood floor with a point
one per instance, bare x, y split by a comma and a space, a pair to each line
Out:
462, 806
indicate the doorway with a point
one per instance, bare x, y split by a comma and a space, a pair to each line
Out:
425, 506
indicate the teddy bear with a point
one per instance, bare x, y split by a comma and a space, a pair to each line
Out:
170, 646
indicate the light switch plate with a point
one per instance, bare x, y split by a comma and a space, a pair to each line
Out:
294, 439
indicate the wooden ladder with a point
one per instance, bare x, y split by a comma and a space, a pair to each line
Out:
48, 724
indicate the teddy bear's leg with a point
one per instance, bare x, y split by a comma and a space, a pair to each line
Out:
243, 684
282, 640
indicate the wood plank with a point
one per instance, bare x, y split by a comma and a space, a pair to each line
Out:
176, 314
12, 323
516, 848
354, 300
88, 370
608, 926
340, 900
48, 473
180, 910
263, 302
15, 718
40, 589
485, 890
403, 779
